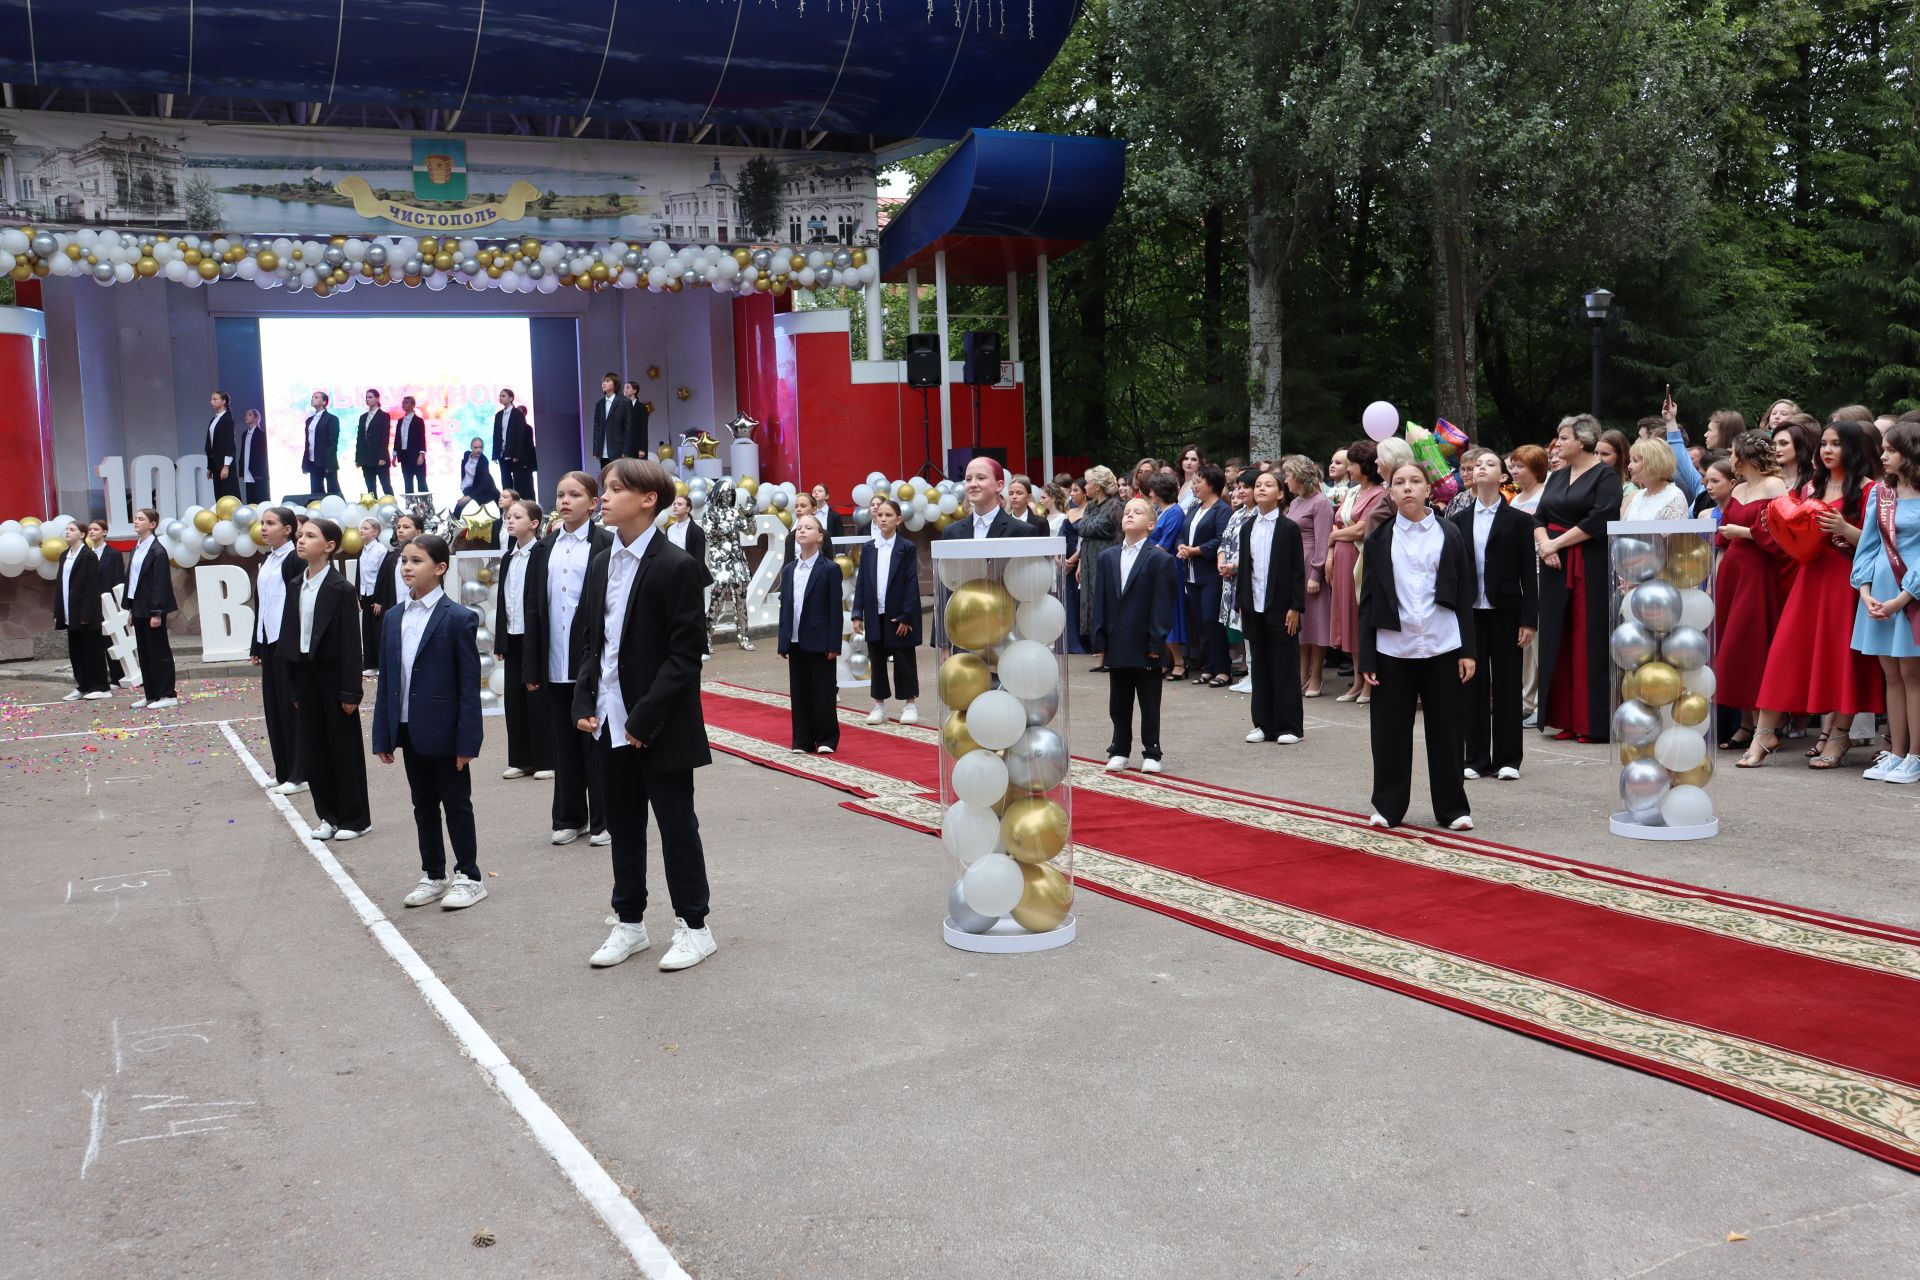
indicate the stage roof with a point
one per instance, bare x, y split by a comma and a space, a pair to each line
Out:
847, 75
1000, 200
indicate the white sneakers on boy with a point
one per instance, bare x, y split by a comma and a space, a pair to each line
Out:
428, 890
1257, 736
511, 772
1508, 773
690, 946
909, 714
1471, 775
289, 788
567, 835
347, 834
161, 704
601, 838
878, 715
1287, 739
543, 775
1462, 823
73, 695
1149, 765
463, 892
625, 940
325, 831
98, 695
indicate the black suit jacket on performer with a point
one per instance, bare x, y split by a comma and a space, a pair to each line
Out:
1004, 525
1513, 569
611, 429
325, 454
660, 646
152, 595
539, 638
219, 445
512, 437
252, 455
1286, 569
1455, 588
88, 580
370, 448
335, 643
409, 436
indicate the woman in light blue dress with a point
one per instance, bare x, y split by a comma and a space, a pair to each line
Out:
1880, 623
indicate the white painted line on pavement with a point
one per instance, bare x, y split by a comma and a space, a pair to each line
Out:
593, 1182
106, 731
95, 1127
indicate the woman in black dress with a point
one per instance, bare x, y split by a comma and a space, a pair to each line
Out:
1576, 593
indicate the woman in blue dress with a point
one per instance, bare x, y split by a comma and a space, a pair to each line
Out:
1170, 524
1887, 573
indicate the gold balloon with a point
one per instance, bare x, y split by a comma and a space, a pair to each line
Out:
979, 614
1658, 684
664, 453
846, 566
53, 549
1034, 829
743, 256
147, 267
267, 260
954, 738
429, 246
349, 542
748, 483
29, 522
204, 520
443, 262
191, 257
226, 507
1045, 899
1696, 776
478, 527
786, 518
1629, 686
961, 679
859, 257
484, 257
1629, 754
1691, 709
529, 248
1688, 560
209, 269
485, 574
679, 486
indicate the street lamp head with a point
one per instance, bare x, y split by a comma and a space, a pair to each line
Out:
1599, 304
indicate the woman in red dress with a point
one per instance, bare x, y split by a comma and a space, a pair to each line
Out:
1812, 668
1747, 594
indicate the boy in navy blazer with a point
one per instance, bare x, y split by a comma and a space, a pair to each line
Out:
1505, 613
810, 637
886, 593
1135, 591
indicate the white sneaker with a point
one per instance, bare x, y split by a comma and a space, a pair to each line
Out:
798, 750
825, 751
543, 775
624, 941
1116, 763
463, 892
1243, 685
512, 772
1375, 820
1882, 764
163, 703
1462, 823
909, 714
1471, 775
1287, 739
291, 788
690, 946
325, 831
746, 646
139, 703
567, 835
1257, 736
370, 673
1149, 765
73, 695
346, 834
601, 838
428, 890
1531, 722
878, 715
1904, 773
98, 695
1508, 773
706, 657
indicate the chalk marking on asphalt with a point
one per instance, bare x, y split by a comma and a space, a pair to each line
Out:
119, 1055
594, 1184
96, 1126
105, 732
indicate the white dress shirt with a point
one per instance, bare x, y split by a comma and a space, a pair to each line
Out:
139, 558
1260, 547
1426, 629
468, 466
606, 419
211, 424
372, 556
516, 590
310, 421
1482, 529
622, 567
802, 571
271, 590
309, 592
1193, 524
566, 576
66, 589
882, 553
406, 433
982, 523
1129, 554
413, 625
677, 534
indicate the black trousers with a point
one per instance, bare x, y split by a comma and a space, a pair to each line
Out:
1206, 634
436, 786
257, 492
529, 735
370, 624
1488, 744
230, 487
87, 650
811, 687
904, 680
413, 476
377, 475
332, 749
517, 478
323, 481
283, 722
1433, 683
1273, 660
632, 790
1126, 686
579, 792
155, 652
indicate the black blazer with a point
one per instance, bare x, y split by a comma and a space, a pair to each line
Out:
835, 526
819, 612
386, 579
1513, 571
409, 437
219, 445
1130, 624
512, 437
1286, 568
533, 658
1455, 588
152, 595
370, 448
1038, 521
336, 633
85, 586
903, 595
113, 567
1004, 526
1207, 535
483, 489
511, 549
252, 454
325, 454
636, 428
697, 548
610, 429
660, 647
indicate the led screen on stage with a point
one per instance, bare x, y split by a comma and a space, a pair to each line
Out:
454, 368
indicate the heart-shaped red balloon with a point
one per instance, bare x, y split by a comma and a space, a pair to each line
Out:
1794, 523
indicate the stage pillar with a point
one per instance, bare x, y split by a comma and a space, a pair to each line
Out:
946, 372
1013, 317
26, 436
876, 314
756, 378
913, 299
1046, 370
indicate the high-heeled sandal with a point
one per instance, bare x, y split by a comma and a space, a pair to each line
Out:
1734, 742
1219, 682
1826, 761
1747, 762
1176, 675
1819, 746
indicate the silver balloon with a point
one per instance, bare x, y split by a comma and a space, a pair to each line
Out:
1643, 784
762, 258
483, 638
469, 266
335, 255
175, 528
1037, 760
229, 270
412, 267
1630, 645
103, 272
963, 917
536, 270
44, 245
377, 255
859, 664
1635, 724
1658, 605
630, 260
843, 259
1637, 559
1043, 709
253, 245
473, 592
243, 517
1685, 648
487, 663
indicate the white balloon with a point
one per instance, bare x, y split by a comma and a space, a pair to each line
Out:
970, 831
186, 559
245, 547
993, 885
995, 719
13, 548
877, 479
980, 779
1041, 621
224, 533
1029, 578
50, 569
1380, 420
1687, 806
1696, 608
1700, 680
955, 573
1678, 749
862, 494
1028, 670
948, 504
191, 539
916, 522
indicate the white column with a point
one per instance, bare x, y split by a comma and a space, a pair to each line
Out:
940, 319
1046, 374
913, 300
1013, 316
876, 313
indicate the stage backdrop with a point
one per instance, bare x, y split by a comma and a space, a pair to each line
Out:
76, 170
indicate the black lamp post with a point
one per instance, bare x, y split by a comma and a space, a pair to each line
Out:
1597, 306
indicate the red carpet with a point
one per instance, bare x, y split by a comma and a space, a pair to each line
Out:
1808, 1017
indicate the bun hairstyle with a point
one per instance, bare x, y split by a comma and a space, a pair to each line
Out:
435, 546
532, 508
328, 529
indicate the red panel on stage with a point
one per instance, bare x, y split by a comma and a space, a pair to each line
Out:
26, 438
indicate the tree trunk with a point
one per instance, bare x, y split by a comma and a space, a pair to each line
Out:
1455, 280
1212, 321
1267, 245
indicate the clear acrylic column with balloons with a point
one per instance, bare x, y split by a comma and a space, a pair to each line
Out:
1005, 799
1661, 648
474, 574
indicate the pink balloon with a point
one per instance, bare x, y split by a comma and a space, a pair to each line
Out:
1380, 420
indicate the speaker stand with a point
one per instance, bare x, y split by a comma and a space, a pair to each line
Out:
928, 471
976, 417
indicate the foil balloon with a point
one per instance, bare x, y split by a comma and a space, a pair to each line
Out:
980, 778
1685, 648
963, 917
1043, 709
953, 736
1691, 709
1657, 604
1636, 559
1687, 561
1630, 645
961, 679
1679, 749
1696, 776
1658, 684
1643, 784
1034, 829
1635, 724
980, 613
1037, 761
1044, 900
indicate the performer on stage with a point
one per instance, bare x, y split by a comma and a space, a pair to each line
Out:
638, 443
253, 461
372, 450
513, 447
220, 450
76, 611
983, 516
410, 447
638, 696
322, 657
1136, 590
321, 460
278, 568
476, 479
149, 601
556, 576
611, 423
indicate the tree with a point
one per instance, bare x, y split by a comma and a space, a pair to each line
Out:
203, 203
760, 191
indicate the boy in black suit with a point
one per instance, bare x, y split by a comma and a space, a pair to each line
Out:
149, 601
76, 611
410, 447
372, 447
321, 457
638, 696
610, 422
222, 463
1505, 613
810, 636
1271, 590
513, 446
1136, 588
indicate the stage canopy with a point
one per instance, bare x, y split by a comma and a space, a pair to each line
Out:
848, 75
